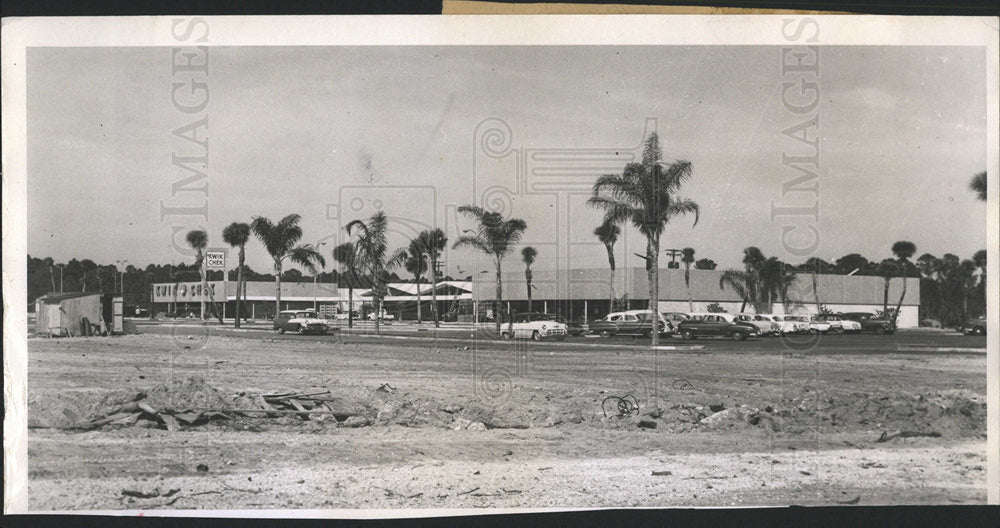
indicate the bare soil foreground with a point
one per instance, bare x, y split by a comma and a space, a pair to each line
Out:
160, 421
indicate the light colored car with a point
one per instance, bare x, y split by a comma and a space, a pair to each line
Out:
385, 316
301, 321
840, 324
535, 326
816, 326
675, 318
765, 323
790, 324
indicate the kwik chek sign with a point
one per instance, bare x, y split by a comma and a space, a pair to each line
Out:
215, 259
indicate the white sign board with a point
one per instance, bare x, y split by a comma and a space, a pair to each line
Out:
215, 259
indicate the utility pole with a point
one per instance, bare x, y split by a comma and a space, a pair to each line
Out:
673, 254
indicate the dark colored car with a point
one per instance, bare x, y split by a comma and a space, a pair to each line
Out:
301, 321
871, 323
718, 325
573, 328
633, 322
974, 327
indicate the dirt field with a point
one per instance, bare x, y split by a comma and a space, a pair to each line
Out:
452, 426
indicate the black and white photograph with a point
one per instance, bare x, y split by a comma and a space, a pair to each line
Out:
366, 265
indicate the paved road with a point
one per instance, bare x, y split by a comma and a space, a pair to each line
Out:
904, 341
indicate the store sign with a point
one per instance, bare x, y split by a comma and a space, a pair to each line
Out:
215, 259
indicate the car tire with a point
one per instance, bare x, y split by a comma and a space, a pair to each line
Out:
687, 335
838, 330
507, 335
536, 336
883, 330
978, 331
605, 333
281, 330
302, 330
739, 335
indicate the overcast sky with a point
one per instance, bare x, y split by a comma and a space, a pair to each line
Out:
304, 130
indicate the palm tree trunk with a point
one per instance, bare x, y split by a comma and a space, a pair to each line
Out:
885, 297
277, 287
687, 283
527, 279
499, 299
434, 296
653, 254
611, 279
899, 304
239, 289
418, 299
204, 286
378, 312
815, 281
350, 305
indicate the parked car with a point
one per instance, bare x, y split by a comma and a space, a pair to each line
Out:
533, 325
839, 324
870, 323
764, 323
573, 328
343, 316
717, 324
632, 322
790, 324
301, 321
816, 326
974, 327
675, 318
385, 316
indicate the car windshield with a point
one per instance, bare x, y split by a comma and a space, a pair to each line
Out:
303, 314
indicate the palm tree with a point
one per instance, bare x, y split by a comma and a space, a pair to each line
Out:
494, 236
743, 284
528, 255
903, 250
967, 270
416, 263
979, 258
978, 184
237, 235
815, 265
687, 257
279, 240
198, 240
887, 269
433, 242
776, 278
373, 255
608, 233
645, 194
345, 255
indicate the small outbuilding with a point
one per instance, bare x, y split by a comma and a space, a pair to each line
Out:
73, 313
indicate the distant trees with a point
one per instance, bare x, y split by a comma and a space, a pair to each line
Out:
705, 264
762, 281
978, 185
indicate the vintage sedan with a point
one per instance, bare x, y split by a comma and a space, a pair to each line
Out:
871, 323
632, 322
675, 318
974, 327
573, 328
839, 324
717, 324
533, 325
301, 321
816, 326
790, 324
765, 323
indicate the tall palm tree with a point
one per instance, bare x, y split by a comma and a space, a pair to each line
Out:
608, 233
495, 237
776, 278
743, 284
345, 255
528, 255
237, 234
687, 257
903, 250
645, 194
978, 184
815, 265
416, 263
198, 240
887, 269
279, 240
433, 242
374, 257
